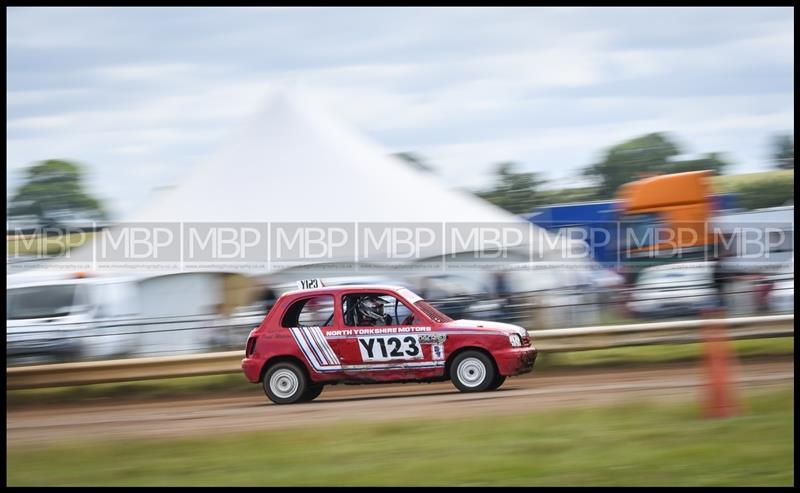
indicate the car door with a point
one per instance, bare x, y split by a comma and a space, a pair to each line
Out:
313, 322
385, 350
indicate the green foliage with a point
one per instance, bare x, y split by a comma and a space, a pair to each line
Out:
651, 153
517, 193
762, 194
759, 190
783, 151
51, 186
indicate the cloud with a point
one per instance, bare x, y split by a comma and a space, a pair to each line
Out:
41, 122
33, 98
465, 87
142, 71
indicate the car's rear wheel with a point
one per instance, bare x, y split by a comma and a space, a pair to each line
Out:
285, 383
472, 371
498, 381
312, 392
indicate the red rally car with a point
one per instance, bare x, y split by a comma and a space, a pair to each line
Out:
376, 334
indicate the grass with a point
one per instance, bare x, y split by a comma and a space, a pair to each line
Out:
665, 353
637, 444
233, 384
218, 385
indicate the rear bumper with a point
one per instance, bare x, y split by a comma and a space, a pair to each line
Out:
252, 369
515, 361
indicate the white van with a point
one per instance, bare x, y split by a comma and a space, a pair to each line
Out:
57, 320
78, 317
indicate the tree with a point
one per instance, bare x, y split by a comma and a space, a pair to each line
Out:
783, 151
54, 186
653, 153
517, 193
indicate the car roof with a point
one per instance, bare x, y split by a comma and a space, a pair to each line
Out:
347, 288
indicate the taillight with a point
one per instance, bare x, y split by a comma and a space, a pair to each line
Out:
251, 346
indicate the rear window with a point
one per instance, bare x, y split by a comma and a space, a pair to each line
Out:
316, 311
432, 312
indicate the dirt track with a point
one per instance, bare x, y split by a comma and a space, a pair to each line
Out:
373, 403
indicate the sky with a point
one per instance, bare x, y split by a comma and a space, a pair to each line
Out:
140, 96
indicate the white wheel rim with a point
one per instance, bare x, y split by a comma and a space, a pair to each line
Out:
471, 372
283, 383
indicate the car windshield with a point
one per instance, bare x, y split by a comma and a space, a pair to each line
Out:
40, 301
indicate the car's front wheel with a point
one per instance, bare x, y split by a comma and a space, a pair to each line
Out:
472, 371
285, 383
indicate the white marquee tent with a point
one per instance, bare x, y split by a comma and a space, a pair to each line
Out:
292, 163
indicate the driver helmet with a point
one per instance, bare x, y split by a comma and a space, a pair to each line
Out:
370, 310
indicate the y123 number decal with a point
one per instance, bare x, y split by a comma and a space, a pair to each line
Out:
382, 348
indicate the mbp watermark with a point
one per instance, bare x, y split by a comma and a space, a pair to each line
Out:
263, 246
398, 245
234, 245
138, 245
480, 244
45, 241
295, 244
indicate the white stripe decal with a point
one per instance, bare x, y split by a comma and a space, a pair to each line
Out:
325, 346
303, 347
325, 364
309, 353
314, 346
311, 335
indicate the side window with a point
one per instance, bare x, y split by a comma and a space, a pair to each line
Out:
375, 309
316, 311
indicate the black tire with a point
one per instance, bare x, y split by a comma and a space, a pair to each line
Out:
285, 383
472, 371
498, 381
312, 392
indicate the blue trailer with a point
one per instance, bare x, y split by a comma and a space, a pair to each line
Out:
593, 222
597, 223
